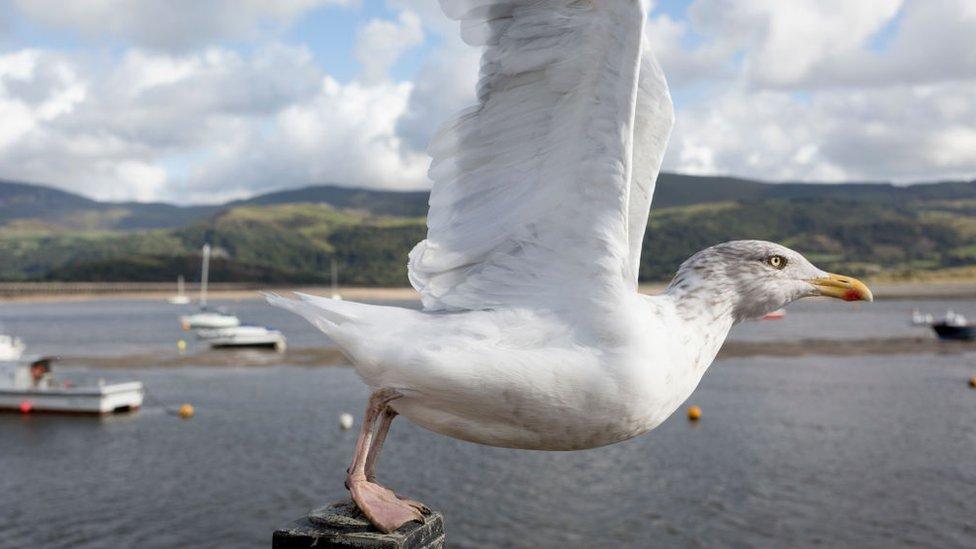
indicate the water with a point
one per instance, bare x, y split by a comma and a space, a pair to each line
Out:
856, 451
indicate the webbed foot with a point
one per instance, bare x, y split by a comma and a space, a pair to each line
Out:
384, 509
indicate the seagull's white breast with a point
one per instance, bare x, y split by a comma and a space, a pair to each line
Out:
525, 379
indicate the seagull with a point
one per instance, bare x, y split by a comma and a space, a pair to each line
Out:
533, 334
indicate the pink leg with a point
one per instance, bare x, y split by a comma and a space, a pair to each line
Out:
377, 445
381, 506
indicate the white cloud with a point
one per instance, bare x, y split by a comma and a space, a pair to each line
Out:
344, 135
445, 82
785, 42
822, 90
444, 85
834, 135
170, 25
803, 90
710, 60
207, 125
933, 44
381, 42
110, 132
816, 44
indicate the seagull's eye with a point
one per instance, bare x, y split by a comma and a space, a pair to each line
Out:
776, 261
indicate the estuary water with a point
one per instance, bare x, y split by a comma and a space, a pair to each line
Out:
852, 451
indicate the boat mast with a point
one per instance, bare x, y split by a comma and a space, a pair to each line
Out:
335, 278
204, 276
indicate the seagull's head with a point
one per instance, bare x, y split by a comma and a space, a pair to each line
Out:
752, 278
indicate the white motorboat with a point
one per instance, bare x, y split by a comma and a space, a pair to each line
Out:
180, 298
244, 336
30, 388
11, 348
207, 319
919, 319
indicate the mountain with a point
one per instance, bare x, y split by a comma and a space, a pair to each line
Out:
396, 203
293, 236
22, 200
38, 204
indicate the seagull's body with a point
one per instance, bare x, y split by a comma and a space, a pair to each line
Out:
533, 333
526, 378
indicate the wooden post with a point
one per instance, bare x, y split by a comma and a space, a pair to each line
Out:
341, 525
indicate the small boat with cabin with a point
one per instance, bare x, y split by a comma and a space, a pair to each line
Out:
29, 387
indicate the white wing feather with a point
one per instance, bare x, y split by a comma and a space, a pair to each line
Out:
652, 127
534, 194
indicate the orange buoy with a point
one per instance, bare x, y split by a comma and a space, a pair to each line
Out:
972, 382
185, 411
26, 407
694, 413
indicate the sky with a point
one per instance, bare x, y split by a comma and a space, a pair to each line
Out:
201, 101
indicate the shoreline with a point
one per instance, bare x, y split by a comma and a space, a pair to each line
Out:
315, 357
245, 293
58, 292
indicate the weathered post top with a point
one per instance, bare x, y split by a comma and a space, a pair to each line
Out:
341, 525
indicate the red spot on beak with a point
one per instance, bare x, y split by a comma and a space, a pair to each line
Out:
852, 295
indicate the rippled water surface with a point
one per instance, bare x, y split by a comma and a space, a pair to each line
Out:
856, 451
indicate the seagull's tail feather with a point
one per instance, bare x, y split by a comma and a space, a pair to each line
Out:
366, 334
328, 315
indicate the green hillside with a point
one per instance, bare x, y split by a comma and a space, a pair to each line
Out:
292, 237
288, 243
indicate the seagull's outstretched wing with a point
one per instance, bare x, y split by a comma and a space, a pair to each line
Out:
543, 187
652, 127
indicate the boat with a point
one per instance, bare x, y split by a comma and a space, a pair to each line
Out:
30, 388
919, 319
244, 337
180, 298
955, 327
11, 348
207, 319
955, 333
335, 281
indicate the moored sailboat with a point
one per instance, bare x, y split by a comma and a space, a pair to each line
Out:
207, 319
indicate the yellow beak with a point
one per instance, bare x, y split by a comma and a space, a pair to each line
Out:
842, 287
